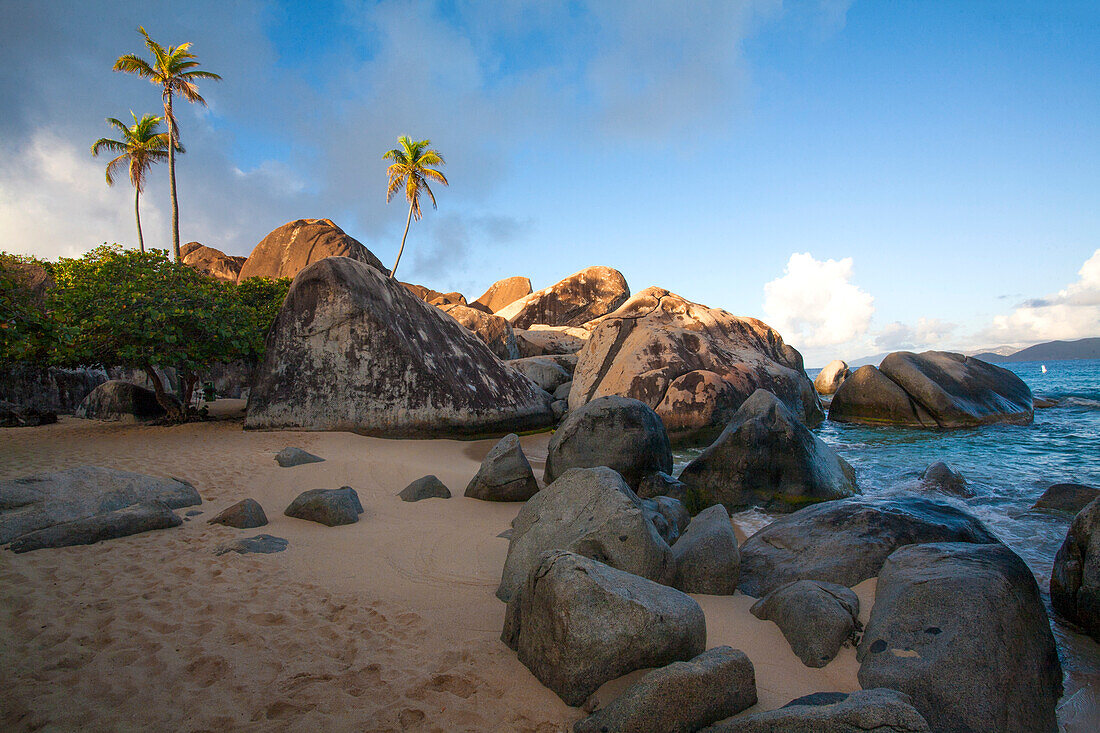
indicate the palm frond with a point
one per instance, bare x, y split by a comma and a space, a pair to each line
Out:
113, 166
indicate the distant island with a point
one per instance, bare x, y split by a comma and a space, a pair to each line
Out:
1050, 351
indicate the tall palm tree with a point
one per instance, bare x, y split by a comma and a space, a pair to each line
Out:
173, 69
142, 144
410, 168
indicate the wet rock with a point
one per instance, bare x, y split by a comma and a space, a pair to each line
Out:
692, 364
505, 474
961, 629
118, 400
590, 511
262, 543
617, 432
681, 697
345, 325
211, 262
944, 479
706, 558
574, 301
425, 487
291, 248
245, 514
578, 623
816, 618
878, 710
123, 522
830, 378
766, 457
493, 330
847, 541
1070, 498
1075, 579
290, 457
504, 292
330, 507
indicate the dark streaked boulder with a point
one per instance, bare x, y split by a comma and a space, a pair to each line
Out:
574, 301
1070, 498
505, 474
1075, 579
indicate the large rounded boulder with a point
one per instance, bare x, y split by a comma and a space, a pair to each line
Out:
830, 378
574, 301
352, 349
295, 245
618, 432
1075, 579
694, 365
767, 458
504, 292
493, 330
212, 262
119, 400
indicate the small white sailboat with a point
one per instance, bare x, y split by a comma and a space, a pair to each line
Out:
1044, 368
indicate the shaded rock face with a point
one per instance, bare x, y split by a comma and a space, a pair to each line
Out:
590, 511
14, 416
661, 484
493, 330
816, 618
448, 299
290, 457
245, 514
961, 629
295, 245
941, 477
682, 697
330, 507
706, 558
47, 389
424, 293
505, 474
1075, 579
42, 500
578, 623
574, 301
766, 457
847, 541
830, 378
425, 487
879, 710
668, 516
933, 389
620, 433
1070, 498
692, 364
505, 292
546, 373
352, 349
538, 340
123, 522
212, 262
118, 400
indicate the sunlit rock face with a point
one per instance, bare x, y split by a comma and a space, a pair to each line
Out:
505, 292
353, 349
694, 365
574, 301
289, 249
212, 262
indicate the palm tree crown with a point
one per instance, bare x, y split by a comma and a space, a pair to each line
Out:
142, 144
174, 70
410, 168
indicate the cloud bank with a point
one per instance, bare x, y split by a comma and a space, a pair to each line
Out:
815, 304
1071, 313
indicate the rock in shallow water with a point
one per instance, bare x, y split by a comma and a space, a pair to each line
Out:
828, 381
944, 479
1075, 578
1070, 498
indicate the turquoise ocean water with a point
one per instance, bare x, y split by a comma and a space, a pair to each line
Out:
1008, 467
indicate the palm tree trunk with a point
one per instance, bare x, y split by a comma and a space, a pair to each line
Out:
393, 272
137, 215
172, 174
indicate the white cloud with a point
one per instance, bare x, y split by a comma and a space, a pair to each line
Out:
814, 304
1072, 313
929, 332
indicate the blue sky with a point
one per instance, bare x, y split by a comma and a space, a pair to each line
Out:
864, 176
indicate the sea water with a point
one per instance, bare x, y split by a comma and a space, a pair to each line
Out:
1007, 467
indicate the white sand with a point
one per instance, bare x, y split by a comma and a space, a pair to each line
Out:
387, 624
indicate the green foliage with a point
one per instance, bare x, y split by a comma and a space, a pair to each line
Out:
260, 298
26, 329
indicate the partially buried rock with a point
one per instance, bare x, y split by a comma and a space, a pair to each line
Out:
425, 487
35, 502
706, 557
123, 522
331, 507
574, 301
682, 697
590, 511
878, 710
119, 400
1075, 579
617, 432
941, 477
766, 457
291, 248
847, 541
1070, 498
263, 544
289, 457
353, 349
245, 514
830, 378
816, 618
961, 629
505, 474
578, 623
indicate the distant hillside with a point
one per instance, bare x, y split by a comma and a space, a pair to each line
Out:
1050, 351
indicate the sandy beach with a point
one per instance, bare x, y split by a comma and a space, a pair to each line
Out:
389, 624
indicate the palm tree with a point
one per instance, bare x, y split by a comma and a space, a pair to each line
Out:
173, 69
410, 167
142, 144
